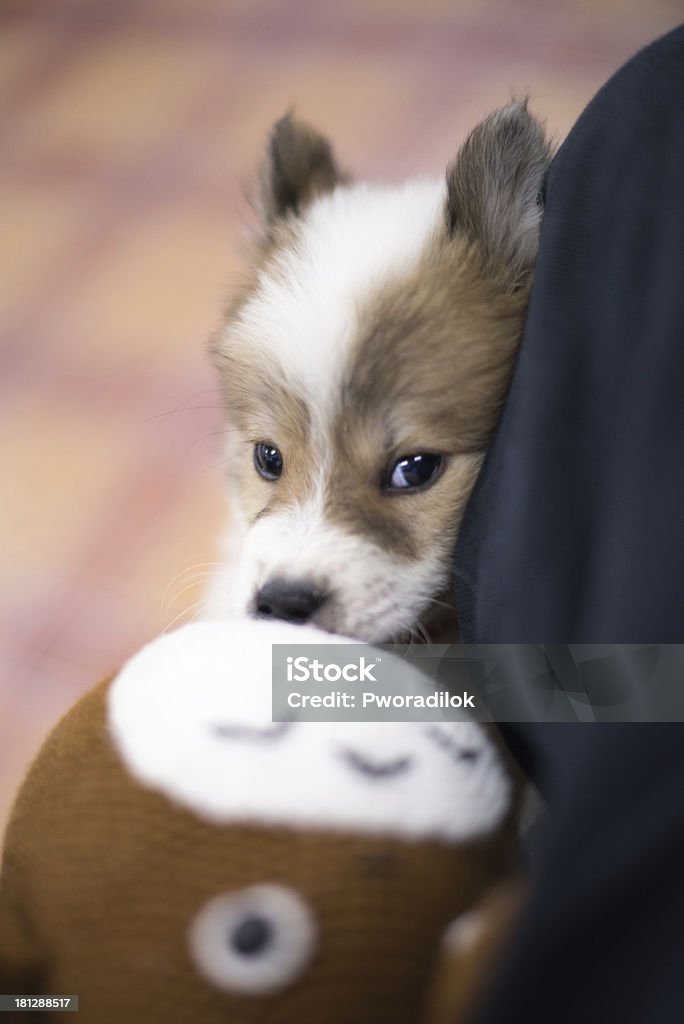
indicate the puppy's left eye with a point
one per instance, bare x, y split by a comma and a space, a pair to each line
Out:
411, 472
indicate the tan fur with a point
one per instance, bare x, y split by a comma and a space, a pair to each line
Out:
429, 373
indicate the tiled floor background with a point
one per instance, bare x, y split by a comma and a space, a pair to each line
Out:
128, 129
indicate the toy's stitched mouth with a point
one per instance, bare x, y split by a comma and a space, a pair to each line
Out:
269, 734
376, 769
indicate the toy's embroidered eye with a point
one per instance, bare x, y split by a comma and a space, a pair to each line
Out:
413, 472
268, 461
254, 941
376, 769
449, 743
250, 733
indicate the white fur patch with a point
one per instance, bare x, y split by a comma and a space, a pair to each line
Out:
191, 717
372, 599
352, 241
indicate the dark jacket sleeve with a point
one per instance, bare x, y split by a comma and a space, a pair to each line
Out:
575, 533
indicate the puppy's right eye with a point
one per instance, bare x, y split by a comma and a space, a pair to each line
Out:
268, 461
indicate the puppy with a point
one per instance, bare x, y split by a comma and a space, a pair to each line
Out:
364, 363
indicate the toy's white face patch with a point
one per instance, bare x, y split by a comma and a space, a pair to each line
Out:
191, 717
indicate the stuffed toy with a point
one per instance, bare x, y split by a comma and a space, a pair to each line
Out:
176, 856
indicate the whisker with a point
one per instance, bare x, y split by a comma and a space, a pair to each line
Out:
183, 408
422, 632
442, 604
214, 433
196, 580
185, 611
179, 575
222, 462
187, 408
465, 578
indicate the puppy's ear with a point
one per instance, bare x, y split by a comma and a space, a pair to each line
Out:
493, 186
299, 166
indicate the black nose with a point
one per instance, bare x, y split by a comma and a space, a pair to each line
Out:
292, 600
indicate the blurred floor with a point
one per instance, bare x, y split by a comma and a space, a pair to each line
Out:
128, 132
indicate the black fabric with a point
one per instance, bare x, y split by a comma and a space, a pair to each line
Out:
575, 533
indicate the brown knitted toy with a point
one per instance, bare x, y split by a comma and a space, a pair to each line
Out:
174, 856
